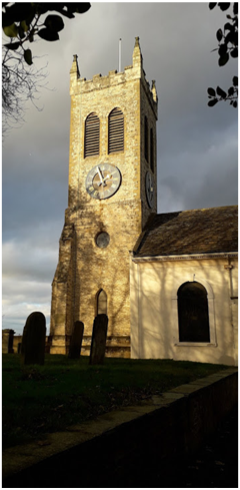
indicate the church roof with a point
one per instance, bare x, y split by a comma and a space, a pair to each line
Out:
198, 231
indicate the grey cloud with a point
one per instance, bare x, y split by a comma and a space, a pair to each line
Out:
28, 263
35, 292
36, 216
217, 188
20, 298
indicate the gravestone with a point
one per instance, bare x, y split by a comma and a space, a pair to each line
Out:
76, 340
99, 337
33, 339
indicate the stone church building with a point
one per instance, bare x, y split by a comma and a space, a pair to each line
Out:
168, 282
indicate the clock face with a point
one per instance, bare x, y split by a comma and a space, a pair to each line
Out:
103, 181
149, 189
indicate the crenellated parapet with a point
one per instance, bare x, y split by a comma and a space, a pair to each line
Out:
135, 71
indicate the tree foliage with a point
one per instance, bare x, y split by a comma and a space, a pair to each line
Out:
24, 23
227, 48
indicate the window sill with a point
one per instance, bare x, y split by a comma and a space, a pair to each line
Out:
195, 344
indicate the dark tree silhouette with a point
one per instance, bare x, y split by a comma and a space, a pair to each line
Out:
227, 48
23, 23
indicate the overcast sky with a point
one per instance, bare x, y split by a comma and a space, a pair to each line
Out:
197, 145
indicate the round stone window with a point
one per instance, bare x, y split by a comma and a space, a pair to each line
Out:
102, 239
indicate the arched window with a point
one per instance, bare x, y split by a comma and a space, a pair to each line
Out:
146, 138
193, 317
115, 131
151, 150
101, 302
92, 133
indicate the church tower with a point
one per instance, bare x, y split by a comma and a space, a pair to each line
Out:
112, 192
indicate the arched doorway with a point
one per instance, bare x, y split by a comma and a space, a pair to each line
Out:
193, 317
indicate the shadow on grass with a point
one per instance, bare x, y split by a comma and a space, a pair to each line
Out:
63, 392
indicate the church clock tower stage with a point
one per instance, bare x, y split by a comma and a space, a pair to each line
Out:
111, 194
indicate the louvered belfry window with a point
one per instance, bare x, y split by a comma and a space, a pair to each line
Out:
115, 131
92, 133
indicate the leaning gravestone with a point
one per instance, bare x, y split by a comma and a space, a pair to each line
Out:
99, 337
33, 339
76, 340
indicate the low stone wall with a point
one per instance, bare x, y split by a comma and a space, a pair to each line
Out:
17, 341
99, 453
7, 341
175, 425
115, 347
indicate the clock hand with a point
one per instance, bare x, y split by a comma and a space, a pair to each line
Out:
100, 175
107, 177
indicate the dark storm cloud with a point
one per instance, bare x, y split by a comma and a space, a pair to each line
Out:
198, 176
217, 187
27, 214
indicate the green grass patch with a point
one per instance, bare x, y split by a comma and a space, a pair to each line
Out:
63, 392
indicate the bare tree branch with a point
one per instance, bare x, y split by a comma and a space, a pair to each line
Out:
20, 83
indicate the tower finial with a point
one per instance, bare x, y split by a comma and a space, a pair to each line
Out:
154, 91
75, 68
137, 41
137, 56
120, 55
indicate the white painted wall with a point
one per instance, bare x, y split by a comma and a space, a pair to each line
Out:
154, 316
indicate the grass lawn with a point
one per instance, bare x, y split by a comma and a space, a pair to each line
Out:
41, 399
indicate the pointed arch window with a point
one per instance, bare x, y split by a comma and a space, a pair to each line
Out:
92, 134
193, 316
115, 131
101, 302
146, 138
